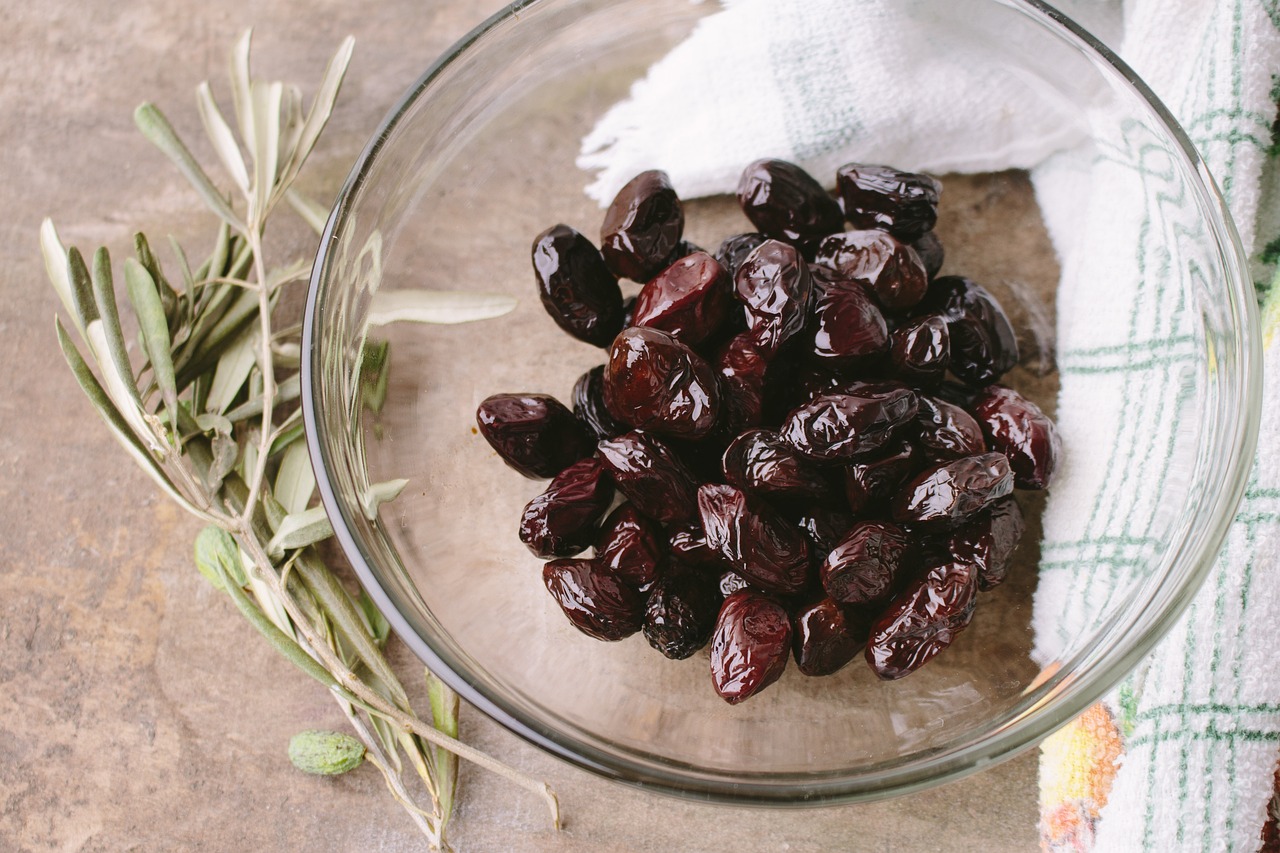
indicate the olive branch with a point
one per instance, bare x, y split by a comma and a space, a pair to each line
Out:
210, 415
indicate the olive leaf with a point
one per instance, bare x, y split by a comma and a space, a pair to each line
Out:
436, 306
206, 415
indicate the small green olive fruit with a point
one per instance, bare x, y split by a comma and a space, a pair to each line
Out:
325, 753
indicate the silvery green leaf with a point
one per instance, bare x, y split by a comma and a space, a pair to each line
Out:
298, 530
57, 268
157, 129
240, 87
349, 623
322, 106
288, 356
217, 263
114, 420
249, 459
232, 371
106, 340
286, 391
379, 627
149, 261
295, 481
444, 716
436, 306
188, 280
85, 308
216, 555
266, 145
380, 493
310, 211
225, 452
213, 422
224, 141
145, 295
271, 606
290, 126
288, 436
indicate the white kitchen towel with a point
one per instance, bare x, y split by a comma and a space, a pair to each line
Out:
1184, 753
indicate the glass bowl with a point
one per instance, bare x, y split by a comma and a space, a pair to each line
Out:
480, 155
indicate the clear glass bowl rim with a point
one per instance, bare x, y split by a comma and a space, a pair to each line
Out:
1059, 696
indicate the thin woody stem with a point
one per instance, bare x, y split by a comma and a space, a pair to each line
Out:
376, 703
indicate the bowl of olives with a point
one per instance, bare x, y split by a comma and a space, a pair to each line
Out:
745, 499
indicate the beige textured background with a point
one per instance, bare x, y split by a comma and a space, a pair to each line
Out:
137, 711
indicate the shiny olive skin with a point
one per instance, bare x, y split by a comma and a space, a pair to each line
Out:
864, 567
562, 520
826, 635
589, 407
754, 539
946, 430
1017, 427
982, 342
844, 426
750, 646
651, 476
595, 601
533, 433
848, 328
653, 382
760, 462
681, 612
952, 491
903, 203
575, 286
892, 269
871, 483
774, 284
920, 350
988, 541
784, 201
632, 547
642, 227
690, 299
923, 620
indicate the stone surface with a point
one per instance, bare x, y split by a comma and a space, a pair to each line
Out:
137, 710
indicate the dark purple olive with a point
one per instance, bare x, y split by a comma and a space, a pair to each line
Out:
871, 483
1016, 427
756, 542
681, 612
731, 582
931, 253
734, 250
844, 426
952, 491
825, 524
741, 368
760, 462
750, 646
923, 620
774, 284
562, 521
783, 201
892, 270
903, 203
642, 226
983, 344
989, 540
688, 546
920, 350
576, 287
865, 566
689, 299
654, 382
824, 638
589, 407
848, 328
649, 475
533, 433
947, 431
595, 601
631, 546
